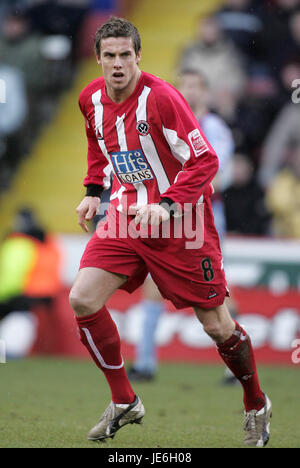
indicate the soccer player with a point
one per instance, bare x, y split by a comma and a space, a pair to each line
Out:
142, 128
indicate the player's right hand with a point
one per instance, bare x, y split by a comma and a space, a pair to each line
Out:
86, 210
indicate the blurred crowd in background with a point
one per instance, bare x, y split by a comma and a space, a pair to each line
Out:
39, 54
249, 53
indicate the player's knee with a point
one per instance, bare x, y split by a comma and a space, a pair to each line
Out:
82, 305
214, 330
219, 331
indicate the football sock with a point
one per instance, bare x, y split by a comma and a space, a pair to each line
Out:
99, 334
237, 353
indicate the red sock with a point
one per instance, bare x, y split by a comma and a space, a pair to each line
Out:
237, 353
99, 334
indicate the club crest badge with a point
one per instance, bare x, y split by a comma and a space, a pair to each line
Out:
143, 127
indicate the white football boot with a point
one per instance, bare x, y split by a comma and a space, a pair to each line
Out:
116, 416
257, 425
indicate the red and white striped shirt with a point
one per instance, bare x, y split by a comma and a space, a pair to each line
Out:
152, 142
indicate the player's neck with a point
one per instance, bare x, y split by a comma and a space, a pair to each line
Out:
120, 95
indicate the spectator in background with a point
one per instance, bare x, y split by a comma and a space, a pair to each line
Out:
4, 5
294, 31
33, 54
29, 272
59, 17
284, 131
288, 54
283, 198
46, 70
245, 208
289, 72
14, 108
13, 112
278, 41
20, 48
294, 27
241, 23
255, 112
8, 5
219, 61
195, 88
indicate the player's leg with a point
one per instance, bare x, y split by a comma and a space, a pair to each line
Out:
235, 348
229, 378
99, 334
145, 364
92, 288
217, 322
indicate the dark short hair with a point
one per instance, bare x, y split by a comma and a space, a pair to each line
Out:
117, 27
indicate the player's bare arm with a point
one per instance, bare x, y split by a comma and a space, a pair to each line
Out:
86, 211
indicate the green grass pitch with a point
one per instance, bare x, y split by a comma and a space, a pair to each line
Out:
49, 402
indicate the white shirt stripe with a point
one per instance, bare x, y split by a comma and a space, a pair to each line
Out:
142, 194
96, 100
121, 133
118, 194
148, 145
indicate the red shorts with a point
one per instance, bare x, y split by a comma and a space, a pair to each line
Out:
187, 270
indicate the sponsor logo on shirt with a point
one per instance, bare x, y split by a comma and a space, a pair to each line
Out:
131, 166
143, 127
198, 143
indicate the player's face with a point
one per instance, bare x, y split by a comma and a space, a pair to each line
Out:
119, 62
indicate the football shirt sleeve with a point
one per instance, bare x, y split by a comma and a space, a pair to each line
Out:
189, 146
99, 169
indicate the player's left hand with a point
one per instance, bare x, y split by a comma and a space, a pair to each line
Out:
152, 214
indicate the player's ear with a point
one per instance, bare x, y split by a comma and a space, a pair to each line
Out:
98, 59
138, 57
